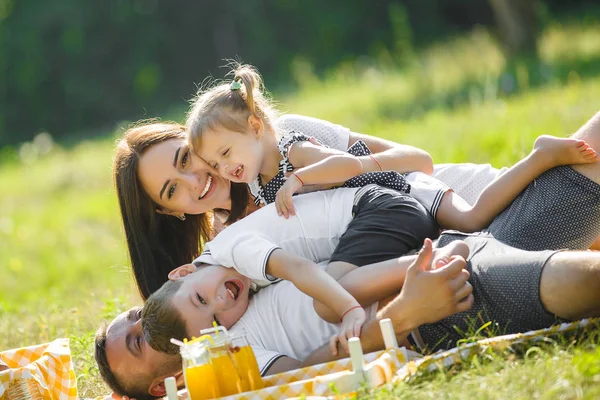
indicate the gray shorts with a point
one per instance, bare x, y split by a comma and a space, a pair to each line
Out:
506, 287
386, 224
559, 210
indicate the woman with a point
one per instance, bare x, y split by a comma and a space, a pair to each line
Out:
167, 193
159, 233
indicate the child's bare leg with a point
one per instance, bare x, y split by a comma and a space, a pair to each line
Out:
590, 132
373, 282
548, 152
596, 244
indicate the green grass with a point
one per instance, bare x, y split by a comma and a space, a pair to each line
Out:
63, 261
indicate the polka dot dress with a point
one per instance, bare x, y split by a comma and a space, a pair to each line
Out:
266, 193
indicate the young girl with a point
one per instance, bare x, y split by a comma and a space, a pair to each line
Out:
230, 126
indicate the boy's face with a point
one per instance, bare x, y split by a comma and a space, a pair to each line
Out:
212, 293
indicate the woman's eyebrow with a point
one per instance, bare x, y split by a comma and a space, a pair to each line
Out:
176, 157
174, 166
163, 188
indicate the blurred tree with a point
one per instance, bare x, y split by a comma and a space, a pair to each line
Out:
74, 66
518, 26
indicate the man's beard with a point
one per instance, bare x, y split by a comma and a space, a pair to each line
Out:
172, 366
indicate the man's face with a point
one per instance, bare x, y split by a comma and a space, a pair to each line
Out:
132, 360
212, 293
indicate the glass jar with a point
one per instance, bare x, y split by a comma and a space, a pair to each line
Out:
199, 374
221, 359
245, 361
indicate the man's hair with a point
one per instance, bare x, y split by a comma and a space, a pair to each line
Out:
139, 391
161, 321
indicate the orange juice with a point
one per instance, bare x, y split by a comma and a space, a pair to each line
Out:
247, 367
201, 382
227, 375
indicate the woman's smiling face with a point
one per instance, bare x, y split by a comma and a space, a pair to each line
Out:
179, 181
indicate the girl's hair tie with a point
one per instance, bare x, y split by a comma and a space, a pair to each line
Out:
235, 85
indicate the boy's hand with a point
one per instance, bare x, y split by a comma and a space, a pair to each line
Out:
350, 327
283, 199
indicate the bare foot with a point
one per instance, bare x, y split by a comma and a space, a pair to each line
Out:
556, 151
443, 255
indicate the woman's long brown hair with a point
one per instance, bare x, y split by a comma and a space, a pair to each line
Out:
157, 243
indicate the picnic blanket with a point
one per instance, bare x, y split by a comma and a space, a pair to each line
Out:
332, 378
37, 372
465, 351
45, 371
317, 380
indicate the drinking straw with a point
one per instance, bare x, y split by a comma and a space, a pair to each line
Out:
178, 342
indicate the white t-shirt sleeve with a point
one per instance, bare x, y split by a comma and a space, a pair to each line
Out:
427, 190
333, 135
247, 252
466, 179
265, 358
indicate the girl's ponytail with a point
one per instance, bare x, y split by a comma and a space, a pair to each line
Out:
251, 80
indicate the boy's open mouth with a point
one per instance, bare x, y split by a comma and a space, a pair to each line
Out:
234, 288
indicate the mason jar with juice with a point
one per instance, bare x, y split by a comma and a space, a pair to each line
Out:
245, 361
227, 374
198, 372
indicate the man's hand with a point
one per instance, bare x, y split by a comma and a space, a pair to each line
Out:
350, 327
283, 199
430, 295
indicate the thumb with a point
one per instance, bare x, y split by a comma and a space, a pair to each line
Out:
423, 261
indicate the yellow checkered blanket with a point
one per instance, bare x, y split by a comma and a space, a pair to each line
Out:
36, 372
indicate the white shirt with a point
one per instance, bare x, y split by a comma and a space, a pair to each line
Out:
281, 321
332, 135
313, 233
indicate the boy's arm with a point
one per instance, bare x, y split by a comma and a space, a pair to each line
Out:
428, 296
311, 280
322, 287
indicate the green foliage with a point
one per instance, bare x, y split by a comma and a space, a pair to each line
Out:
70, 67
62, 257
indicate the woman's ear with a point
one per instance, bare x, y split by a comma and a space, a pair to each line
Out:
256, 125
182, 271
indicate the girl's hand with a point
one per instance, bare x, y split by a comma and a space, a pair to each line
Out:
350, 327
283, 199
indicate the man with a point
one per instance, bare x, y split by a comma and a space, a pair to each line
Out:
133, 369
567, 283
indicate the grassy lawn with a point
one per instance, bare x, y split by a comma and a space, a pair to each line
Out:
63, 261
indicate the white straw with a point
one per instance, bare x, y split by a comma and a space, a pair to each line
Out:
177, 342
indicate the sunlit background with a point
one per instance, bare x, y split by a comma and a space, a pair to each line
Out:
466, 80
